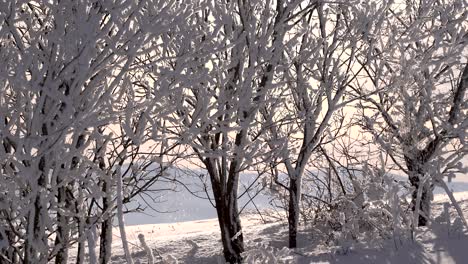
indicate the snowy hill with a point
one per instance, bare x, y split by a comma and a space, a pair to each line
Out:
199, 242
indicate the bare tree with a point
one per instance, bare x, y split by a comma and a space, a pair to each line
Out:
317, 73
239, 47
64, 67
420, 77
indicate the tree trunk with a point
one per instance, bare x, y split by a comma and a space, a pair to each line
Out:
63, 231
80, 255
293, 212
231, 231
225, 195
415, 173
81, 234
91, 238
38, 248
425, 203
105, 241
77, 205
106, 228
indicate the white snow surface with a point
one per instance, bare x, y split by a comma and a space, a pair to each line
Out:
199, 242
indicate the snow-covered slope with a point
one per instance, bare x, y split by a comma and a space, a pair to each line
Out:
198, 242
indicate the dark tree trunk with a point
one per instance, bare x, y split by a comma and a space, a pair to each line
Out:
106, 229
81, 243
419, 158
81, 236
80, 253
293, 213
62, 236
415, 171
225, 195
425, 203
231, 232
40, 239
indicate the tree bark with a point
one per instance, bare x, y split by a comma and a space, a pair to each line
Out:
62, 236
415, 173
231, 231
106, 228
225, 195
293, 212
39, 237
81, 248
425, 203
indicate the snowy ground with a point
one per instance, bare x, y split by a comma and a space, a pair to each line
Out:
198, 242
